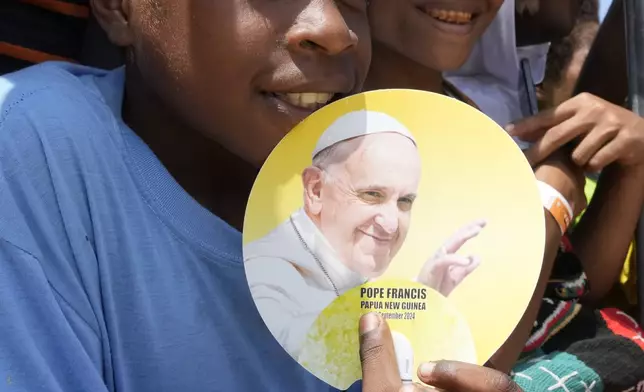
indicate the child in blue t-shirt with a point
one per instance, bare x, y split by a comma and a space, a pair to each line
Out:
122, 194
120, 255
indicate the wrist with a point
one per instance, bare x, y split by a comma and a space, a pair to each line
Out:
556, 205
559, 180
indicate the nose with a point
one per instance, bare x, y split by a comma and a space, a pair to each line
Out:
387, 219
322, 28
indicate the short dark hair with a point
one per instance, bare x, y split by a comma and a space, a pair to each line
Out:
588, 11
582, 36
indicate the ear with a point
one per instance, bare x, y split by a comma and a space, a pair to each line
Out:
113, 16
312, 181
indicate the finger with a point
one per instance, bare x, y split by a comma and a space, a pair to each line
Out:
455, 276
555, 138
459, 274
464, 234
605, 156
377, 355
459, 376
435, 271
444, 262
532, 128
590, 144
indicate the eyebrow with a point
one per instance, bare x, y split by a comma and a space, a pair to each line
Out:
411, 196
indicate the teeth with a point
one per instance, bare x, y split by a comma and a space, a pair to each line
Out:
457, 17
308, 100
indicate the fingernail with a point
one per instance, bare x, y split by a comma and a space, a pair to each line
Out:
509, 128
369, 322
426, 369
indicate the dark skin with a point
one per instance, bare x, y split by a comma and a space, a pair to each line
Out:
606, 138
195, 49
218, 106
380, 370
599, 135
199, 135
554, 20
411, 50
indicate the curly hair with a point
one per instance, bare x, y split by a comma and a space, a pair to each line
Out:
582, 36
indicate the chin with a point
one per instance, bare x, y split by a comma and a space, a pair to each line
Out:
442, 61
450, 65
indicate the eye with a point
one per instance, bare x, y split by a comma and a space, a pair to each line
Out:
405, 203
371, 196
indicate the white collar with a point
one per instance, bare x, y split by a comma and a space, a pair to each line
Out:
343, 278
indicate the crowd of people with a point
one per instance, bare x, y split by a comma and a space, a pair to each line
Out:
131, 133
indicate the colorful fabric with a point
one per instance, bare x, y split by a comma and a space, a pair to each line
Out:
577, 348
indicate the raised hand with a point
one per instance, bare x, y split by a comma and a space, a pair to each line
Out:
445, 270
604, 133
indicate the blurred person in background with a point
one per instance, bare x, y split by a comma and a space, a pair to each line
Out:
557, 333
35, 31
567, 56
565, 61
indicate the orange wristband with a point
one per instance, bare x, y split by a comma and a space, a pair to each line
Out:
556, 204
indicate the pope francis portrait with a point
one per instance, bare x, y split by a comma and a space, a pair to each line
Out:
358, 196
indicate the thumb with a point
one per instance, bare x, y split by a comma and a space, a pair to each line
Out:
377, 355
465, 377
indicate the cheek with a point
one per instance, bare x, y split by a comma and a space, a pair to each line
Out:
350, 217
495, 4
359, 24
404, 223
387, 24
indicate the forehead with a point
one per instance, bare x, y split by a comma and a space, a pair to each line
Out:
387, 160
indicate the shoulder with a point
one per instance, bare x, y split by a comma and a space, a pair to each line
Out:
54, 95
55, 124
54, 110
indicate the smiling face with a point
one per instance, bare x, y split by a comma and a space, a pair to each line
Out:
362, 204
438, 34
242, 72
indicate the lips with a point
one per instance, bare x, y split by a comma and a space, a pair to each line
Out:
447, 16
307, 101
378, 238
451, 16
294, 96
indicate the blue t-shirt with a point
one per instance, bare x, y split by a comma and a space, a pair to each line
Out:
112, 278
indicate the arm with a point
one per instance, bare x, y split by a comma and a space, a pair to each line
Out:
599, 136
50, 333
557, 172
44, 344
605, 231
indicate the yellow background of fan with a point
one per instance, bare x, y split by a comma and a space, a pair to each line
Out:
471, 170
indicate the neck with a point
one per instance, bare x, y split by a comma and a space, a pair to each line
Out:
200, 165
390, 69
